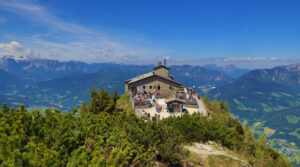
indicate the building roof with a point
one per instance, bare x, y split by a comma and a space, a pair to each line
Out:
174, 99
148, 75
160, 66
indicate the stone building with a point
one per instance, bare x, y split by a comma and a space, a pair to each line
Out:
157, 81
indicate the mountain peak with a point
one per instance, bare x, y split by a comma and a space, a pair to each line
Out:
16, 58
293, 67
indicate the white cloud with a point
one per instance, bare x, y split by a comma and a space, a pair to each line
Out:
77, 42
11, 47
40, 14
14, 48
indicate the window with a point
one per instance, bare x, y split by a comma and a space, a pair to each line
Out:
158, 87
150, 87
170, 87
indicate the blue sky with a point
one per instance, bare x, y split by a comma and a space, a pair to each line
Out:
262, 33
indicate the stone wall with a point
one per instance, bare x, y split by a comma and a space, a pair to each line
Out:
153, 83
162, 71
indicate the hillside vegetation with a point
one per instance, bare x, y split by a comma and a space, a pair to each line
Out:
106, 132
270, 100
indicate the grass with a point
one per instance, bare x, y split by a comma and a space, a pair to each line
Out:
195, 159
286, 94
241, 106
258, 93
269, 131
296, 159
275, 94
266, 108
222, 160
296, 133
125, 104
292, 119
277, 108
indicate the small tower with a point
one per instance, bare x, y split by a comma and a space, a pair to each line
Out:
162, 69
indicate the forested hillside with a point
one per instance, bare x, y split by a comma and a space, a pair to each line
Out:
269, 99
10, 83
106, 132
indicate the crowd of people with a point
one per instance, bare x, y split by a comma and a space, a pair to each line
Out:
144, 99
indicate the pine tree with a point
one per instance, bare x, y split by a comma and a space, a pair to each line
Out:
101, 101
249, 140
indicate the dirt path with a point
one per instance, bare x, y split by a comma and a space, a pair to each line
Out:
205, 150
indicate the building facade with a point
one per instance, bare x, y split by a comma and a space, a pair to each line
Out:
158, 81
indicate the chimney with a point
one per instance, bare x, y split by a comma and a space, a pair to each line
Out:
165, 62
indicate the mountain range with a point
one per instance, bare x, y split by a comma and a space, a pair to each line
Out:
270, 100
51, 83
229, 70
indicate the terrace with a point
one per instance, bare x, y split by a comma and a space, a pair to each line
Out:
170, 103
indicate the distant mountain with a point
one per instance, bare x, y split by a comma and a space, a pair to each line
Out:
198, 76
34, 69
52, 83
277, 88
10, 83
282, 75
229, 70
269, 99
69, 91
66, 92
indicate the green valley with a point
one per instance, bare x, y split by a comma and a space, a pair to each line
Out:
269, 99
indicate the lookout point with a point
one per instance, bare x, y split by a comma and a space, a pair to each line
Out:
157, 94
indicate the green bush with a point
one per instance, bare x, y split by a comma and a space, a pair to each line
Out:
101, 134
